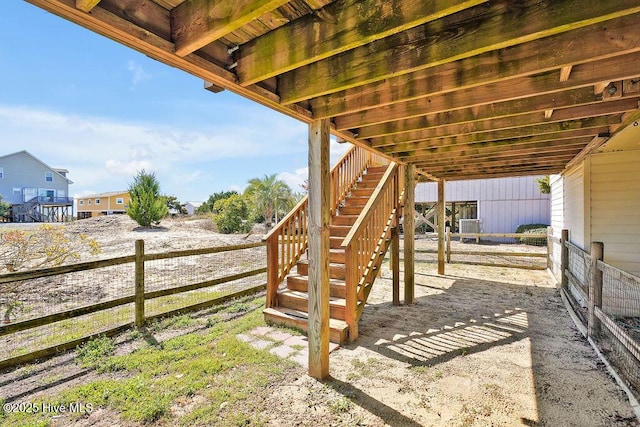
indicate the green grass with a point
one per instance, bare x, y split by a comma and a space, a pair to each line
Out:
73, 329
222, 379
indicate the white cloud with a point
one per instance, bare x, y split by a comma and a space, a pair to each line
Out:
103, 154
127, 169
137, 73
296, 179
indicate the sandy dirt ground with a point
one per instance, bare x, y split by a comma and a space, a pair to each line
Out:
481, 346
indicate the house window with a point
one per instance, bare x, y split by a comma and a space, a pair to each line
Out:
81, 202
48, 176
119, 201
97, 201
17, 191
89, 201
1, 172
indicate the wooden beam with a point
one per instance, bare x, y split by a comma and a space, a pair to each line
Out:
468, 176
86, 5
319, 216
519, 88
593, 145
507, 155
569, 98
594, 43
490, 147
196, 23
408, 228
408, 141
480, 29
508, 90
525, 166
441, 220
355, 23
441, 125
565, 72
487, 138
489, 162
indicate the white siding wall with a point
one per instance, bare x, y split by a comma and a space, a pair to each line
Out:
557, 222
615, 207
573, 205
503, 203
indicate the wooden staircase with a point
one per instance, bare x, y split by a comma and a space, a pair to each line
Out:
374, 185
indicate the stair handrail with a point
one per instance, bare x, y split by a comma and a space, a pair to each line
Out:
362, 243
287, 240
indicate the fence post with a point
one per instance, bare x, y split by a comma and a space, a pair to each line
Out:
272, 271
550, 249
394, 261
139, 290
448, 249
564, 258
595, 288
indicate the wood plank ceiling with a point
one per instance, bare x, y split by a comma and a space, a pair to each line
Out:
462, 89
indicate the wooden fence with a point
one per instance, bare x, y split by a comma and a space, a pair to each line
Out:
138, 298
510, 250
607, 302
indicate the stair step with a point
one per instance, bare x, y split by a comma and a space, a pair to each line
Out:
335, 241
367, 183
377, 168
336, 271
296, 282
339, 331
351, 210
297, 300
356, 201
336, 256
344, 219
339, 230
363, 192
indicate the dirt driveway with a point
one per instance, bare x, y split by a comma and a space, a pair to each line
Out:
481, 346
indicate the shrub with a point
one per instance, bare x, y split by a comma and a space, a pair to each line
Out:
232, 215
532, 229
147, 207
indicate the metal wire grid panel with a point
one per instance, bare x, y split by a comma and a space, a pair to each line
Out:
485, 250
63, 308
37, 299
218, 273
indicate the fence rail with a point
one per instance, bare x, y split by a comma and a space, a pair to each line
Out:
131, 306
607, 302
479, 254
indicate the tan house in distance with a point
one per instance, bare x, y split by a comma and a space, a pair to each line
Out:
110, 203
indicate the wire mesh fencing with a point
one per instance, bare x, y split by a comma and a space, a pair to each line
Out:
607, 302
55, 309
485, 249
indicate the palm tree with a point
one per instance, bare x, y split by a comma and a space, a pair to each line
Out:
269, 196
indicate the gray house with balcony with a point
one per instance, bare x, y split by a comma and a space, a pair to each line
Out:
36, 191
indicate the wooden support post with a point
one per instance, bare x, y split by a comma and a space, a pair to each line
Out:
319, 215
272, 271
448, 239
595, 288
453, 216
409, 233
441, 223
394, 260
139, 283
564, 259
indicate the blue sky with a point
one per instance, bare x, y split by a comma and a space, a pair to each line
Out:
79, 101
